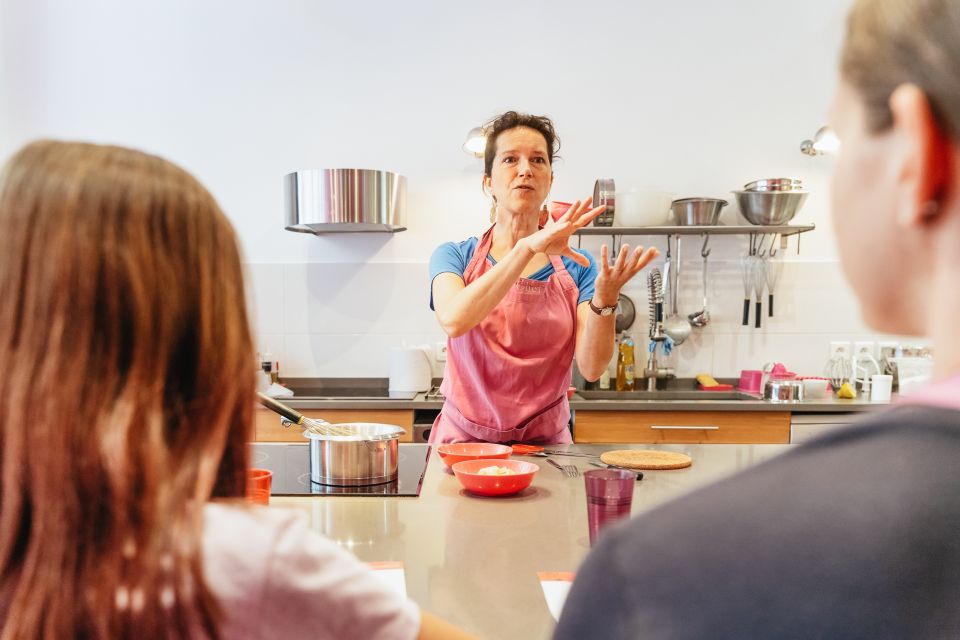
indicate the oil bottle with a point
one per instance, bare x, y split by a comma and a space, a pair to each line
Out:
625, 364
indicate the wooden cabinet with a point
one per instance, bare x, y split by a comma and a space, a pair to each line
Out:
269, 429
682, 427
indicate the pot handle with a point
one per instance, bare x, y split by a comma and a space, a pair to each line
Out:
276, 406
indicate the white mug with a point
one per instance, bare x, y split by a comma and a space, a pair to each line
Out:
881, 388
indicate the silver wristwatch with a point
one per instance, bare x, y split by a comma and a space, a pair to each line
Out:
602, 311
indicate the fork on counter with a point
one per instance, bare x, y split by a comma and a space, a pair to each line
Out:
568, 470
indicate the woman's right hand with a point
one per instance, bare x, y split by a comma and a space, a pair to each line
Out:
554, 239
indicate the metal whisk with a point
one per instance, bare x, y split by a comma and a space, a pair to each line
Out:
313, 425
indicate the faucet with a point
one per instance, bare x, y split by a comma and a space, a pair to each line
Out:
653, 370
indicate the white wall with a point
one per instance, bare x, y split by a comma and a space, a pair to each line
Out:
695, 97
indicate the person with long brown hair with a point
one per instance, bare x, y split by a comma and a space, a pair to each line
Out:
127, 405
855, 534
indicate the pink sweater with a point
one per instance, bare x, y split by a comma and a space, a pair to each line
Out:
945, 393
276, 578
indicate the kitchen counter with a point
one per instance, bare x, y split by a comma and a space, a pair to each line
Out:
421, 402
474, 560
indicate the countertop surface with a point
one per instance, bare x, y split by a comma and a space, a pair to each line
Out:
823, 405
474, 560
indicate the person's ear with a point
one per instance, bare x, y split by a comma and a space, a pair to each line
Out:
926, 154
487, 185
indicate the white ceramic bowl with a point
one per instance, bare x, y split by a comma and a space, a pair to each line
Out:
642, 208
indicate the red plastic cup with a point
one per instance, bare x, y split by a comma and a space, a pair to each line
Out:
609, 496
258, 485
750, 381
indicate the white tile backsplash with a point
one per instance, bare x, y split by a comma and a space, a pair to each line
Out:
340, 320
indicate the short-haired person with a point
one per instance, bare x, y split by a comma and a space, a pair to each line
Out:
518, 303
855, 534
127, 404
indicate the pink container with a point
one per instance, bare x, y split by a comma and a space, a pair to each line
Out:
609, 496
750, 380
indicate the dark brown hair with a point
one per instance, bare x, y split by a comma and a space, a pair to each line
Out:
892, 42
127, 394
512, 120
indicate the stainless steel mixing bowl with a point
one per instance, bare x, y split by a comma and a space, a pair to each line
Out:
770, 207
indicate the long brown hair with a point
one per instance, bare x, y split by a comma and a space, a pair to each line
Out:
892, 42
126, 398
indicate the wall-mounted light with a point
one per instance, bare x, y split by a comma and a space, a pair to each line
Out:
824, 143
476, 142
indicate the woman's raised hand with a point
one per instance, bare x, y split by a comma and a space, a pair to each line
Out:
612, 276
554, 239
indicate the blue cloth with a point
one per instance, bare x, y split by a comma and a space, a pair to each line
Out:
453, 257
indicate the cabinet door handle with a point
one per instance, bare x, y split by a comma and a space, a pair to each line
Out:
681, 426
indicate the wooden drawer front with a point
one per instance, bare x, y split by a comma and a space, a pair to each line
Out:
268, 427
690, 427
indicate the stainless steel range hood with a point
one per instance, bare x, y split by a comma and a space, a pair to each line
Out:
322, 201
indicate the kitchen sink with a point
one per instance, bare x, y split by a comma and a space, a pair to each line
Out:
713, 396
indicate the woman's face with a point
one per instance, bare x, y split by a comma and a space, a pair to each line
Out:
864, 200
521, 174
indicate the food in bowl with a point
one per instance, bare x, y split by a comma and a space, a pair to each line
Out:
496, 471
460, 451
520, 476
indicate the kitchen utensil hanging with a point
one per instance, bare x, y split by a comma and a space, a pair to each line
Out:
676, 326
774, 268
702, 317
626, 314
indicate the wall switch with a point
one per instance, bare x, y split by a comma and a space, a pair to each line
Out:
441, 351
840, 349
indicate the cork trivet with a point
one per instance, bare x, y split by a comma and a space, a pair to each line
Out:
646, 459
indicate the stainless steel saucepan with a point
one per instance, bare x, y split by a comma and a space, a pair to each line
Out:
347, 454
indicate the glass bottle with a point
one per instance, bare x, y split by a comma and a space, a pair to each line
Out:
625, 364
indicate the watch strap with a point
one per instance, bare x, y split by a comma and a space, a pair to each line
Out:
602, 311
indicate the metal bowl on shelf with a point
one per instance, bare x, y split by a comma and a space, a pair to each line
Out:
775, 184
770, 207
696, 211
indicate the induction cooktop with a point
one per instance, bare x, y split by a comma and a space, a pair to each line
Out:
290, 464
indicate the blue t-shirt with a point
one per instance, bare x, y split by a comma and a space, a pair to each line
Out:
453, 257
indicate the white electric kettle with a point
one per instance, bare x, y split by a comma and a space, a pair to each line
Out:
410, 369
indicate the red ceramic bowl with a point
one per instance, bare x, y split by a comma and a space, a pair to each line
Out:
484, 485
462, 451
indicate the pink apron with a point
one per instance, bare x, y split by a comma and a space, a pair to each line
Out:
507, 378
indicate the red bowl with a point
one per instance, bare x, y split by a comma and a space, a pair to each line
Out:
484, 485
461, 451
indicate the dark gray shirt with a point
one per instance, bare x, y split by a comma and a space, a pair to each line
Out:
853, 535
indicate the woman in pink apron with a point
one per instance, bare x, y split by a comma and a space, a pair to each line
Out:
515, 315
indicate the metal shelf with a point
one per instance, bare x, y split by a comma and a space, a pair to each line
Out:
724, 230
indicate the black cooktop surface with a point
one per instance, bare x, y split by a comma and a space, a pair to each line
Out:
290, 464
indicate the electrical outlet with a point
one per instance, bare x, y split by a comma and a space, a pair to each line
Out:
840, 349
865, 348
441, 351
887, 349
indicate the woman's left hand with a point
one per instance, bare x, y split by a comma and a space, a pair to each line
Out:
612, 277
